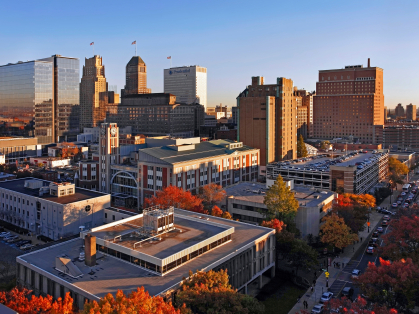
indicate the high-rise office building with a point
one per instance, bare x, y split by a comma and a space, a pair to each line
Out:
267, 119
349, 102
46, 89
411, 112
399, 111
93, 82
306, 101
189, 84
136, 77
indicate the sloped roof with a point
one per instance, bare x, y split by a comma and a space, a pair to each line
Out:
135, 61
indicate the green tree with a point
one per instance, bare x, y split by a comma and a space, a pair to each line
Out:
302, 255
280, 201
301, 147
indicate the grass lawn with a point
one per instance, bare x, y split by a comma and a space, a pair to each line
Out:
285, 303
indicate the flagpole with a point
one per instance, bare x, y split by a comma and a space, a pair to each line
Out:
170, 61
135, 48
93, 49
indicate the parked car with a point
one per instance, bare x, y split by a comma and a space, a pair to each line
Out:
12, 239
370, 250
380, 229
4, 234
26, 246
22, 242
394, 205
348, 292
384, 223
356, 273
326, 297
375, 234
386, 217
317, 309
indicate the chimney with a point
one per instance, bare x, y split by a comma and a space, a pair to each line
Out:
90, 250
368, 62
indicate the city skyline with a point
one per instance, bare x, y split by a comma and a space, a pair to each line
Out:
227, 39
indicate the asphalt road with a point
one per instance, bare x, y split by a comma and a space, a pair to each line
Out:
362, 259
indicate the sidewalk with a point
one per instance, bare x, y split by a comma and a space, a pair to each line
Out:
349, 252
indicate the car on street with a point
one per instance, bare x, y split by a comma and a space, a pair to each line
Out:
384, 223
394, 205
406, 205
317, 309
356, 273
380, 229
399, 202
348, 292
403, 194
375, 234
386, 217
326, 297
27, 246
370, 250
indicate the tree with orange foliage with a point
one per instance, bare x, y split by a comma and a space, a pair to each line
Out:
20, 301
226, 215
361, 200
354, 209
274, 224
334, 231
69, 149
211, 292
177, 197
216, 211
360, 306
211, 194
395, 284
402, 240
138, 301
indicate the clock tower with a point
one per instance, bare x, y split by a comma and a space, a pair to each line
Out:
108, 154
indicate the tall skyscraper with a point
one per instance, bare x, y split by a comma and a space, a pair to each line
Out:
189, 84
399, 111
46, 89
411, 112
93, 82
136, 77
349, 102
267, 119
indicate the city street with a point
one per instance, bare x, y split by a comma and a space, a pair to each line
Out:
354, 257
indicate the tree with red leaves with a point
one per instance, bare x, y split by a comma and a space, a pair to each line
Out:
138, 301
403, 239
211, 292
21, 301
394, 284
177, 197
274, 224
211, 194
359, 306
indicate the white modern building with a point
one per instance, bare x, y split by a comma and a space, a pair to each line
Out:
188, 83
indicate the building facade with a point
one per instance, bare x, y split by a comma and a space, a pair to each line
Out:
267, 119
108, 154
302, 123
93, 82
54, 210
136, 77
189, 84
46, 89
158, 114
397, 137
411, 112
348, 102
399, 111
19, 148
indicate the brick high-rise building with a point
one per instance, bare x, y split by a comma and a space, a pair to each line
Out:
411, 112
93, 82
267, 119
399, 111
305, 98
136, 77
302, 121
349, 101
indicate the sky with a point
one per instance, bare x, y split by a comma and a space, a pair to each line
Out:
234, 40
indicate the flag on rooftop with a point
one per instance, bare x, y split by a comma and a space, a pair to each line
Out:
134, 42
170, 57
92, 43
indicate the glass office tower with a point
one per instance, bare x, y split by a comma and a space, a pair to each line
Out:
48, 90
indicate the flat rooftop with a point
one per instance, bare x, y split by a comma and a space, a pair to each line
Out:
18, 185
192, 232
111, 273
249, 192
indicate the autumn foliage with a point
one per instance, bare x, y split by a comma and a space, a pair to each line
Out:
403, 239
211, 194
216, 211
334, 231
274, 224
211, 292
177, 197
395, 284
354, 200
139, 302
359, 306
21, 301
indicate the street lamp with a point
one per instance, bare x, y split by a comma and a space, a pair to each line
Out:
368, 222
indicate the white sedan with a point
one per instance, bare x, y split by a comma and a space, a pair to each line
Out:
326, 297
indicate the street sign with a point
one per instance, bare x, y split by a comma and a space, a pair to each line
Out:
327, 274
